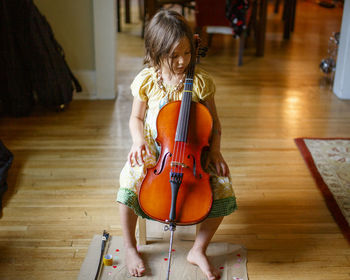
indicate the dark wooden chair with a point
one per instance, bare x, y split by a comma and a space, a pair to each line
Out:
209, 16
288, 16
127, 13
189, 4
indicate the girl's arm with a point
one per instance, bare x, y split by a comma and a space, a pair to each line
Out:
139, 146
215, 155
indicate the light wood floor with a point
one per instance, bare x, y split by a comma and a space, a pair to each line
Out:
64, 179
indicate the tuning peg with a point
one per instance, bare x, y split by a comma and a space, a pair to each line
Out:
203, 51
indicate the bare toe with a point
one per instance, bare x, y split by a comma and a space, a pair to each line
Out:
134, 262
199, 258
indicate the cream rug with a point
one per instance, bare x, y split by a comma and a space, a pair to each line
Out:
230, 259
329, 163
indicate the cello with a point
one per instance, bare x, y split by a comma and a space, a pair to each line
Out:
177, 191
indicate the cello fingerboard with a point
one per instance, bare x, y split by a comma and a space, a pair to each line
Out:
184, 115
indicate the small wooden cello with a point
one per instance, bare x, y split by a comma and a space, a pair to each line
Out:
177, 190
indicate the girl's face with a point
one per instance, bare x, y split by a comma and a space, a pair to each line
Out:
180, 57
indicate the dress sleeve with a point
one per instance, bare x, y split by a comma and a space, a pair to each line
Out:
141, 85
203, 85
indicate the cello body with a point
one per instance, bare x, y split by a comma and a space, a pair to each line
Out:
179, 155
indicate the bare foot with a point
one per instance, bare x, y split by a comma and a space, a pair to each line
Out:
198, 257
134, 262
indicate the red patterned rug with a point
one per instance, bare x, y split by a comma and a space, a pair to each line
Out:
329, 163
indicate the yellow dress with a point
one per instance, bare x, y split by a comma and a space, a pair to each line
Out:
145, 88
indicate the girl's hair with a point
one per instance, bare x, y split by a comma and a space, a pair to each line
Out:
163, 33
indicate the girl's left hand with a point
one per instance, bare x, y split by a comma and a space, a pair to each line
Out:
217, 159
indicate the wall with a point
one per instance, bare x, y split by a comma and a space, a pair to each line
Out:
72, 23
77, 25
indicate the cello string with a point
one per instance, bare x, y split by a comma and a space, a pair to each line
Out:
180, 146
182, 132
175, 157
183, 146
187, 102
178, 157
183, 124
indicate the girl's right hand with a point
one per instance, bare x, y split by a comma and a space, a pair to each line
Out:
137, 153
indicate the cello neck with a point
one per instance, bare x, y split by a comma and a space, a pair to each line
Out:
182, 123
184, 115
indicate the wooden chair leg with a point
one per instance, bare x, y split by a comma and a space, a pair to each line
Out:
285, 10
127, 11
141, 7
142, 236
197, 228
241, 48
210, 39
288, 19
294, 7
276, 8
184, 233
260, 37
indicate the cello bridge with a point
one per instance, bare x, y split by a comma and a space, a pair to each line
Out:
176, 163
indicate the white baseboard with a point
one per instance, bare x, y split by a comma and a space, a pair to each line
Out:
87, 80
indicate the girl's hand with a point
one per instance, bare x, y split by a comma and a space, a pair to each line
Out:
137, 153
220, 165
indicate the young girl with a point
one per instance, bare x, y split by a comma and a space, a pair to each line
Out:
169, 53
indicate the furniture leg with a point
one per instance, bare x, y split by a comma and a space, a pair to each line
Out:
287, 20
142, 236
241, 48
127, 11
261, 28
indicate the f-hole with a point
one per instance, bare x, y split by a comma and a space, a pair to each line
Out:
163, 163
194, 164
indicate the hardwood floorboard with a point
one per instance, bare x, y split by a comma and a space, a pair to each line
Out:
63, 182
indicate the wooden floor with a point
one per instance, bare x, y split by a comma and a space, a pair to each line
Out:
63, 183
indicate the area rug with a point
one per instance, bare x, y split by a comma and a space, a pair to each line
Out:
230, 259
329, 163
